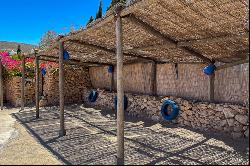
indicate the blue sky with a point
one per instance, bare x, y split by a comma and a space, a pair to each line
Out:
26, 21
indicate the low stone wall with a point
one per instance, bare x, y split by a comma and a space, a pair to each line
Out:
12, 91
77, 81
233, 119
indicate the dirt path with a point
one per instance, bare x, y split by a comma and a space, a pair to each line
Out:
18, 147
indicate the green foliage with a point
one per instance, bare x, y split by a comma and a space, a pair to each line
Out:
16, 57
47, 39
114, 2
99, 13
14, 73
91, 19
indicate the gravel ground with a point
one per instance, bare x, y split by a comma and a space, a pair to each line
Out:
7, 131
19, 147
91, 140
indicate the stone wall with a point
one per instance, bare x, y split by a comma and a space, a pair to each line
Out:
12, 91
77, 81
228, 118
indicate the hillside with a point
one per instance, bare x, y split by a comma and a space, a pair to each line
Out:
9, 46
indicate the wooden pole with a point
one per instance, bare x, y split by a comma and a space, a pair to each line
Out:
62, 131
42, 86
1, 84
23, 83
112, 80
154, 79
37, 84
211, 88
120, 90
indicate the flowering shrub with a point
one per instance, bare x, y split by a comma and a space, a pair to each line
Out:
13, 65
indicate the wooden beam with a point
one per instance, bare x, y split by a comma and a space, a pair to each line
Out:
23, 83
68, 62
232, 64
212, 39
149, 47
166, 38
56, 58
62, 131
37, 84
111, 51
120, 91
1, 84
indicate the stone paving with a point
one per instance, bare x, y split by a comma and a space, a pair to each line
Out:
91, 140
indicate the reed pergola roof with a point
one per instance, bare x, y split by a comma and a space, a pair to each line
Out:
165, 31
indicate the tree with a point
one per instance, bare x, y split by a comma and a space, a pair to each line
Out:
99, 13
91, 19
114, 2
47, 39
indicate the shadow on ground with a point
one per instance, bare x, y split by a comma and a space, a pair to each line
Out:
91, 140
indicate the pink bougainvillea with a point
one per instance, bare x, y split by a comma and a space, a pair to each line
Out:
8, 62
13, 65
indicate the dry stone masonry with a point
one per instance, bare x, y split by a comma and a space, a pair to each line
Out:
76, 82
12, 89
229, 118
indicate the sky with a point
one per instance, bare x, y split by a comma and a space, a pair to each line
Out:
26, 21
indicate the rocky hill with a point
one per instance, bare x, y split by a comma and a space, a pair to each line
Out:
9, 46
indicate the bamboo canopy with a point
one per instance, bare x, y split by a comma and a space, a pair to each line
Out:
165, 31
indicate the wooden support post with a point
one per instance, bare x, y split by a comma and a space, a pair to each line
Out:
62, 131
23, 83
37, 84
154, 78
112, 81
120, 90
211, 87
42, 90
1, 84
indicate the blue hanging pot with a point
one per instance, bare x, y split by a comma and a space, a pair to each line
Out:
209, 70
44, 71
65, 55
111, 69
